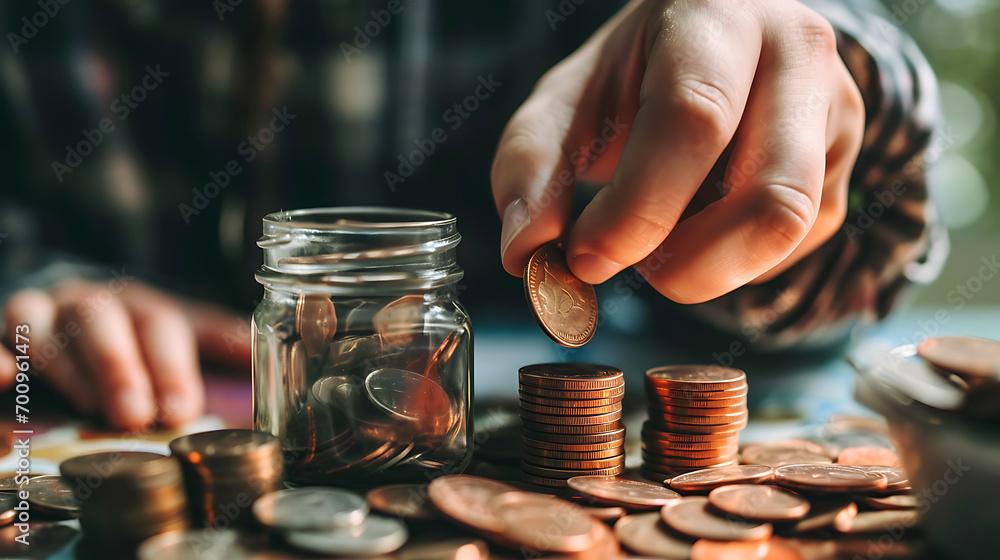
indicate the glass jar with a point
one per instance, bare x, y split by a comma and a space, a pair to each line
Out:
362, 351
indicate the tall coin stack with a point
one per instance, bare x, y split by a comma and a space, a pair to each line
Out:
571, 415
695, 415
126, 497
225, 471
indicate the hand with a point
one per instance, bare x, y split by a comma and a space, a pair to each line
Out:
129, 352
649, 104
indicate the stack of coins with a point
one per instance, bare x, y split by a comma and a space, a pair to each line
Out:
225, 471
695, 415
571, 415
126, 497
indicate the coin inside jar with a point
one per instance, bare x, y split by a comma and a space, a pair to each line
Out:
619, 491
543, 522
760, 502
316, 321
564, 306
310, 509
692, 516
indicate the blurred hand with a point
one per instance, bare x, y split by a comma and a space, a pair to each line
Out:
649, 104
130, 356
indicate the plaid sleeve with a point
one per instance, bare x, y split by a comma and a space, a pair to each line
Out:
891, 236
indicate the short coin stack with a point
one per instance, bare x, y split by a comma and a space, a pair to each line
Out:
571, 415
695, 415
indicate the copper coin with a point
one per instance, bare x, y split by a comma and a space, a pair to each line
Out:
665, 461
52, 495
571, 464
574, 455
728, 418
868, 456
761, 502
456, 549
610, 513
576, 437
784, 452
572, 429
466, 498
573, 420
543, 481
7, 512
706, 479
770, 549
962, 355
676, 428
622, 492
672, 394
698, 406
696, 377
571, 411
726, 451
400, 321
407, 501
564, 306
315, 321
823, 512
646, 534
569, 402
586, 394
692, 516
536, 447
651, 432
571, 376
665, 446
877, 521
828, 478
896, 479
897, 501
543, 523
564, 474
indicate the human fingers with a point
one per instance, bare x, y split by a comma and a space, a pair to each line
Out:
107, 347
692, 97
47, 346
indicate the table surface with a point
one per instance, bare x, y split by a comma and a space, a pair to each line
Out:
784, 400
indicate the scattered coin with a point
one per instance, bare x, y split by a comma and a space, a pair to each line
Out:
543, 523
828, 478
605, 513
706, 479
564, 306
896, 479
771, 549
466, 498
53, 496
9, 481
897, 501
310, 509
785, 452
823, 512
7, 512
455, 549
625, 493
406, 501
646, 534
692, 516
877, 521
759, 502
220, 544
868, 456
373, 536
970, 358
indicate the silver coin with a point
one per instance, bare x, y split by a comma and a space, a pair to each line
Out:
310, 509
52, 495
193, 545
406, 395
375, 535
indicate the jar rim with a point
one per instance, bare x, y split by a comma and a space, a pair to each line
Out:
355, 218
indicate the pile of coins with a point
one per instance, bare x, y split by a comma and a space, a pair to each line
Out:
225, 471
126, 497
695, 415
571, 415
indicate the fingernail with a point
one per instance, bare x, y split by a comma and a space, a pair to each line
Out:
515, 219
593, 269
133, 408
